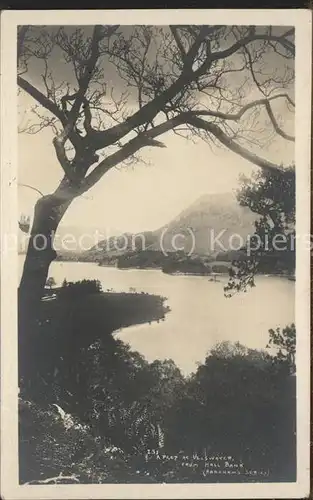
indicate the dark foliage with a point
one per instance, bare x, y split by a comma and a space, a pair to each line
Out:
272, 248
284, 342
179, 262
79, 288
119, 418
171, 262
51, 355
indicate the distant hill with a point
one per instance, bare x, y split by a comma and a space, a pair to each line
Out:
204, 237
70, 241
216, 216
214, 223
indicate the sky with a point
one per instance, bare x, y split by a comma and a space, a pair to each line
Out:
143, 197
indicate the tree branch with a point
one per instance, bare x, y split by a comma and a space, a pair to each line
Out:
88, 117
55, 479
148, 112
232, 145
90, 65
145, 139
88, 72
58, 143
31, 187
237, 116
178, 41
277, 128
175, 88
251, 38
41, 98
131, 147
20, 40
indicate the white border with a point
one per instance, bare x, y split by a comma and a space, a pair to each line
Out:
10, 489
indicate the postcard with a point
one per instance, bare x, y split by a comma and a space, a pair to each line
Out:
155, 253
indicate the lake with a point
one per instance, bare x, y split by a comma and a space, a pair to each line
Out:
200, 315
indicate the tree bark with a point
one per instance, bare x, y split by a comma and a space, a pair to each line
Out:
48, 213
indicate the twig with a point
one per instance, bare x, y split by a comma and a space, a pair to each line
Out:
54, 480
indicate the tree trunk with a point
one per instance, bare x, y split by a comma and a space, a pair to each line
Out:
48, 213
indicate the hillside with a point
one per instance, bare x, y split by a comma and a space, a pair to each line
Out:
210, 217
193, 232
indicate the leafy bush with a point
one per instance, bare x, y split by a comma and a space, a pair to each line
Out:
284, 342
52, 441
239, 403
272, 197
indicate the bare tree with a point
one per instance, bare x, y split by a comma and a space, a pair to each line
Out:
189, 80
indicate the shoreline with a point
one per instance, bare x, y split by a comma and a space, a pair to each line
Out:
175, 273
103, 313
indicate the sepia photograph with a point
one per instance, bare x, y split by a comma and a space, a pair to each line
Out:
155, 254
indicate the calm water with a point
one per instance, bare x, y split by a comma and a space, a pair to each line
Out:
200, 314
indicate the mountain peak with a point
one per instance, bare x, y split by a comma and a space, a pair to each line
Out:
192, 230
210, 214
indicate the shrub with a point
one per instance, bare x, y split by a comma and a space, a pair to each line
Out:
56, 445
128, 416
284, 343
